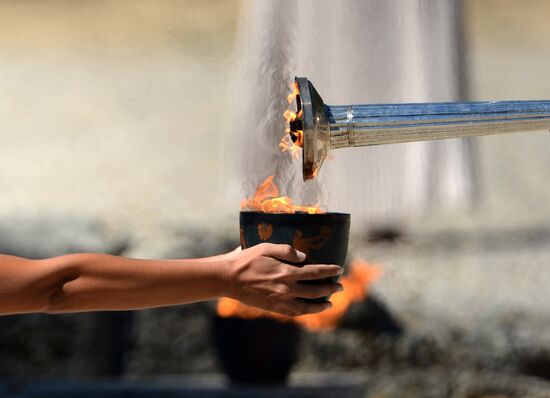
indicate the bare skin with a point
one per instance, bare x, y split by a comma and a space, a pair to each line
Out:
258, 276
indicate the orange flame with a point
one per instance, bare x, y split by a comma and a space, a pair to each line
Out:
286, 144
267, 199
361, 276
290, 116
295, 92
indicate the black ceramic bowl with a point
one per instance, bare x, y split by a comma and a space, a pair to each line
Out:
255, 351
322, 237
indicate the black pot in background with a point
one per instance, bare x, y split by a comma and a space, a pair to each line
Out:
322, 237
255, 351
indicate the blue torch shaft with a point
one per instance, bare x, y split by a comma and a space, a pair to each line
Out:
362, 125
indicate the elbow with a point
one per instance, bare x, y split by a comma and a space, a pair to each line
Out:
55, 297
57, 300
44, 286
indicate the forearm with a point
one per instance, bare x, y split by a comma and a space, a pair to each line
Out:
102, 282
88, 282
261, 276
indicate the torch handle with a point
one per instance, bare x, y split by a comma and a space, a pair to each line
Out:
362, 125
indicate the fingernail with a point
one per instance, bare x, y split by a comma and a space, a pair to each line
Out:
340, 288
301, 256
340, 271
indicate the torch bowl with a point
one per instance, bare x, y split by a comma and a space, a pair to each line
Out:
322, 237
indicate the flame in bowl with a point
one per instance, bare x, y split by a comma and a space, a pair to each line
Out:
267, 199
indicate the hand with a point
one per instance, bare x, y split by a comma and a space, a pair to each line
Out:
222, 257
258, 277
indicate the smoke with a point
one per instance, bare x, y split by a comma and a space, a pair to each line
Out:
265, 71
354, 51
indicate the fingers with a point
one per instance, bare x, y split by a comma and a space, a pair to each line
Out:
301, 307
285, 311
314, 291
282, 252
296, 307
315, 271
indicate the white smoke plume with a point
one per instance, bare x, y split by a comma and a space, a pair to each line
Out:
354, 51
263, 84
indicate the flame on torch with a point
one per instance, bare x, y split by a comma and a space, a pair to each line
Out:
287, 144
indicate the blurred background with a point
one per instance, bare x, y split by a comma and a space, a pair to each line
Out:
115, 137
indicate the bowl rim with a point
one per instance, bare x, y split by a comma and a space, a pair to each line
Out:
330, 213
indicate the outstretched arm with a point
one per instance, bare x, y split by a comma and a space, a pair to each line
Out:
93, 282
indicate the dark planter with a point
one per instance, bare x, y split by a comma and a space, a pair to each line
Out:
255, 351
322, 237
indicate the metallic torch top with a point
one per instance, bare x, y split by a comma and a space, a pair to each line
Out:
319, 127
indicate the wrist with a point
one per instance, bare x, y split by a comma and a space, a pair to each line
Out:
228, 277
220, 275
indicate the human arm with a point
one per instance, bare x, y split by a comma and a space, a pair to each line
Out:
93, 282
